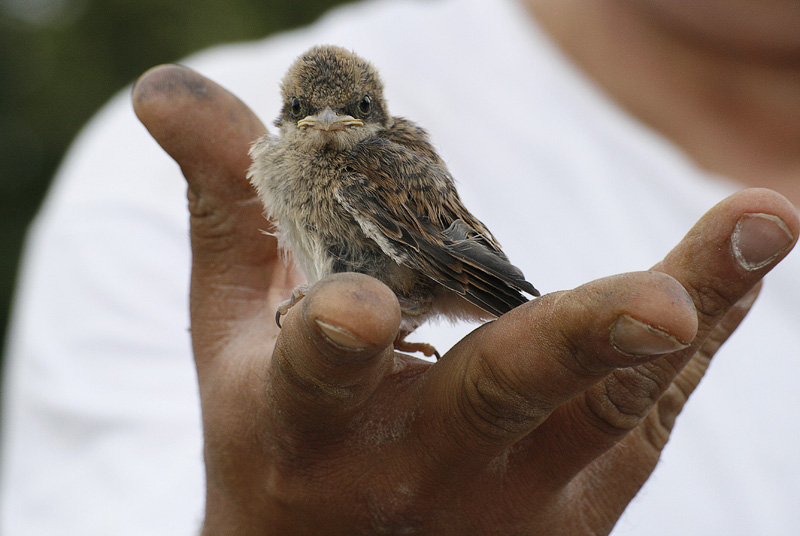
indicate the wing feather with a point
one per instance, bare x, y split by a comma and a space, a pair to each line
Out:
402, 196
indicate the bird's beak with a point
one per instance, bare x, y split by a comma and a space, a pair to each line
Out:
329, 120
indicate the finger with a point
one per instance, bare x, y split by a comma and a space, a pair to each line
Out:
208, 132
730, 249
628, 471
504, 398
671, 404
756, 225
333, 351
504, 380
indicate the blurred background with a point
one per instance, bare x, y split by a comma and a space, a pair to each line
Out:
60, 60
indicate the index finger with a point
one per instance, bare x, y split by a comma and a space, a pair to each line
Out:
236, 269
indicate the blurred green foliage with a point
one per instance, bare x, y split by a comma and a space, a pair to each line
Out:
60, 60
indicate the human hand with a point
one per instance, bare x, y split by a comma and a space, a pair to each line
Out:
545, 421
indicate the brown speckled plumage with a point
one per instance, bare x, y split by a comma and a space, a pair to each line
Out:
354, 189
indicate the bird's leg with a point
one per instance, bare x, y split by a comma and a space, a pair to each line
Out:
400, 343
298, 293
414, 308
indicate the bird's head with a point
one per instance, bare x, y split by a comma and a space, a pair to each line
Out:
331, 97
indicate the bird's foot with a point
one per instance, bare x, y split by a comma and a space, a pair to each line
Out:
401, 344
298, 294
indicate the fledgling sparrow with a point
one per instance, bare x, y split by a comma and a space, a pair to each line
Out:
352, 189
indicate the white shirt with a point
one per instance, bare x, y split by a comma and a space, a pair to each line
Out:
102, 425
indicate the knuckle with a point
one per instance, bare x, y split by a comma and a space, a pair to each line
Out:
493, 405
713, 300
211, 232
626, 397
660, 424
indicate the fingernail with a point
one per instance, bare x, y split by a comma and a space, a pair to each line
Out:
758, 239
338, 336
634, 338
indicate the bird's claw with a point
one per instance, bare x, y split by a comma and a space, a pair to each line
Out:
297, 294
411, 347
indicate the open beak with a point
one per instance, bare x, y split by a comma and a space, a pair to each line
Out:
329, 120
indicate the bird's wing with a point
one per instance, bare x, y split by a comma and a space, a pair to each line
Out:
406, 202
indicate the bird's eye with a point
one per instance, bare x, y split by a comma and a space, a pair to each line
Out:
295, 107
365, 105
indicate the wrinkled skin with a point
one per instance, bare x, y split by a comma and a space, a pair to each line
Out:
546, 421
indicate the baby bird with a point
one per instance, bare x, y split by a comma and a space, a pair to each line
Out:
353, 189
